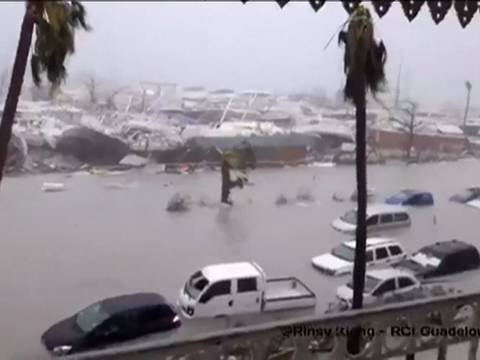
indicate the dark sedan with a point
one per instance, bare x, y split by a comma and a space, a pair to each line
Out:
109, 321
411, 198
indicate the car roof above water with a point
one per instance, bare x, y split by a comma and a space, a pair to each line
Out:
384, 274
132, 301
228, 271
373, 241
378, 209
445, 248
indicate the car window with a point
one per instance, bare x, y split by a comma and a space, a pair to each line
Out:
372, 220
427, 199
395, 250
414, 200
247, 285
217, 289
388, 285
369, 255
398, 217
386, 218
108, 328
381, 253
404, 282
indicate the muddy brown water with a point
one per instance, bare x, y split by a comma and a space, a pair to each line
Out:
62, 251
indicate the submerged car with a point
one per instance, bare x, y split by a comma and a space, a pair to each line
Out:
469, 197
442, 259
109, 321
411, 198
379, 217
339, 261
380, 283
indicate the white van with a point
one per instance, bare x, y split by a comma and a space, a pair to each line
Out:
379, 217
379, 252
237, 288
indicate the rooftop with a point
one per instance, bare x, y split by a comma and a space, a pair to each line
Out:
440, 249
376, 209
230, 271
371, 242
383, 274
132, 301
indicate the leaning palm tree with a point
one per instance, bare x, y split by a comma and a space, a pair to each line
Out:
240, 158
54, 23
364, 62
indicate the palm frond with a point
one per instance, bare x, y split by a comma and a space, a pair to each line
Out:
241, 157
56, 22
363, 57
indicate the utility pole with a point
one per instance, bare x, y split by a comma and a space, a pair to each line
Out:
397, 91
468, 85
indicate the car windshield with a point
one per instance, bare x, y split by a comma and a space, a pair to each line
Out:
89, 318
426, 259
370, 284
350, 217
196, 284
344, 252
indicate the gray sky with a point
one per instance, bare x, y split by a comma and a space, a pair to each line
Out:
258, 45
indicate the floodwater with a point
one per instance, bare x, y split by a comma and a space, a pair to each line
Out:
62, 251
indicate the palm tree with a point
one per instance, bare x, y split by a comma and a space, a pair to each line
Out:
239, 158
364, 62
54, 23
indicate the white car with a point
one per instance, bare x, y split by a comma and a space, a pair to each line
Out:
379, 217
380, 284
379, 251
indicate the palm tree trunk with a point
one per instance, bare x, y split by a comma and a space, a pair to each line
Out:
16, 82
361, 177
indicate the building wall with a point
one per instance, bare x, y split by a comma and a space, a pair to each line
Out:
390, 140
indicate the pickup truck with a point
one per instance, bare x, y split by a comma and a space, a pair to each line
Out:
240, 288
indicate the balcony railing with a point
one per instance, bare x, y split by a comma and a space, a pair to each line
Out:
390, 331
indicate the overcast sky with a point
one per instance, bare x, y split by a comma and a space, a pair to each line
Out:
260, 46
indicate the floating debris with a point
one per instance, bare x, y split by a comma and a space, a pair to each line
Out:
134, 161
281, 200
178, 203
318, 164
304, 195
119, 186
370, 194
338, 198
53, 187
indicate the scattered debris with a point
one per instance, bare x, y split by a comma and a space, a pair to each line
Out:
134, 161
53, 187
178, 203
338, 198
281, 200
119, 186
370, 194
305, 195
318, 164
